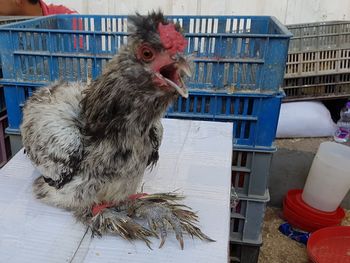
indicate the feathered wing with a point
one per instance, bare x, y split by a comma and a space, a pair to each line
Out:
155, 135
51, 131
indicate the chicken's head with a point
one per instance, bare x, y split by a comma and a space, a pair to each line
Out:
159, 45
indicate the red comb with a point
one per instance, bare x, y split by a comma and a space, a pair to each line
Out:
171, 39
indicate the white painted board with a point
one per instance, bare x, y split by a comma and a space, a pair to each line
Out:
195, 157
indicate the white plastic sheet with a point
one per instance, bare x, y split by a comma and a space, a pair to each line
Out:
304, 119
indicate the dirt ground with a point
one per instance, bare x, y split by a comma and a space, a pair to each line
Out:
278, 248
304, 144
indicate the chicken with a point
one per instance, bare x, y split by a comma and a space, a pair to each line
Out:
92, 143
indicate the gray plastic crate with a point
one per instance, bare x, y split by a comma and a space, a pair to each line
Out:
317, 87
250, 172
244, 252
319, 36
318, 65
318, 62
247, 219
319, 48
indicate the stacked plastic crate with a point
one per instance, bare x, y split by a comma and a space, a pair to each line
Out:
238, 70
5, 148
318, 64
238, 73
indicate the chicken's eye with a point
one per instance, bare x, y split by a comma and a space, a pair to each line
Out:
147, 54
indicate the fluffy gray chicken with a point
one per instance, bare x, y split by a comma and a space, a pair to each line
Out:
92, 143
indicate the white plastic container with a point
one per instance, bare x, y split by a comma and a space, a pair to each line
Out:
329, 177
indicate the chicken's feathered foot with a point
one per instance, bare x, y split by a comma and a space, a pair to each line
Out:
160, 211
112, 220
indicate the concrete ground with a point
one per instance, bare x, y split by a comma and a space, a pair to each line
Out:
290, 167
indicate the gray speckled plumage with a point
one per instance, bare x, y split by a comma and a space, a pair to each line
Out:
93, 143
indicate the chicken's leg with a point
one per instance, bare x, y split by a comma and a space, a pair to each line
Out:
160, 211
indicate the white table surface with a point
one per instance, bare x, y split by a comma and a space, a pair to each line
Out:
195, 157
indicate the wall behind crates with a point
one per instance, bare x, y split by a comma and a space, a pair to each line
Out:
287, 11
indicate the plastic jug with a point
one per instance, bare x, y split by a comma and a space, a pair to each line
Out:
342, 133
328, 180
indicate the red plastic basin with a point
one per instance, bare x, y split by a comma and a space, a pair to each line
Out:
295, 201
330, 245
297, 220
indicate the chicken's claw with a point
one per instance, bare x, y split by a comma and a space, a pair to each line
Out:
113, 221
161, 210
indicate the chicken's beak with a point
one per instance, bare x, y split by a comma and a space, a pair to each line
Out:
170, 71
183, 69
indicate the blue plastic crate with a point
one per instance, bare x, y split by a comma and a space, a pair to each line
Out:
254, 116
231, 53
15, 97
